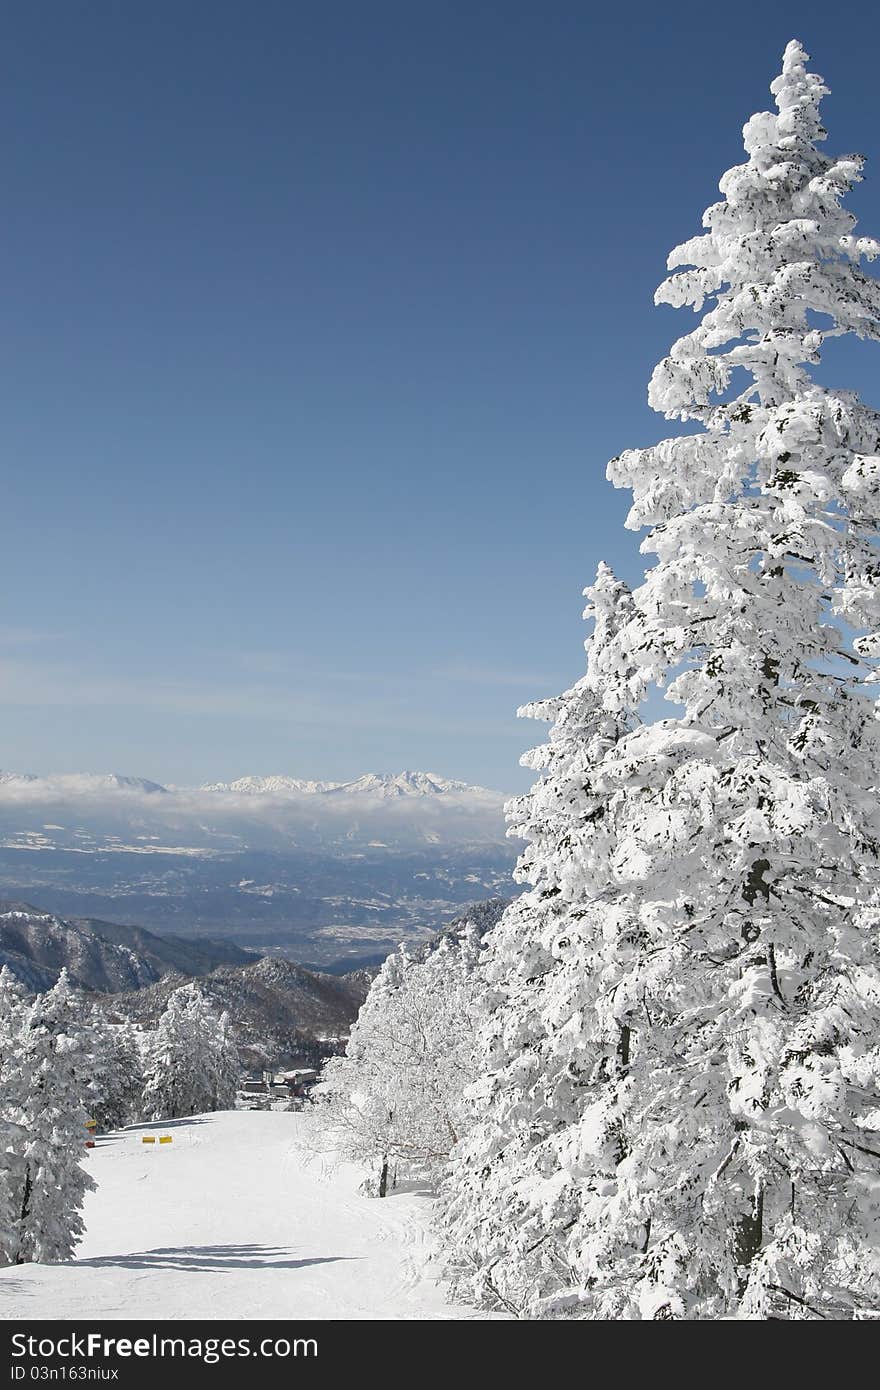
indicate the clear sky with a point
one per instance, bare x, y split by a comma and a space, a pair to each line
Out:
319, 324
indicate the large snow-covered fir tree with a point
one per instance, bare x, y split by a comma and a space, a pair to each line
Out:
191, 1061
45, 1085
680, 1113
396, 1099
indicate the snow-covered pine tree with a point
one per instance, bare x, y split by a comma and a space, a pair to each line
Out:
45, 1085
11, 1182
395, 1100
12, 1012
722, 1159
191, 1064
226, 1065
117, 1082
549, 1047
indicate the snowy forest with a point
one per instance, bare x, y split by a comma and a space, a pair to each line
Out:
651, 1089
64, 1064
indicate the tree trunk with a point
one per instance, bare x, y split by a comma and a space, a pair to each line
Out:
750, 1232
623, 1047
25, 1210
383, 1178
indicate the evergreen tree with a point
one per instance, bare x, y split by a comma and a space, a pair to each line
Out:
12, 1011
11, 1186
46, 1083
226, 1065
192, 1061
397, 1096
117, 1081
681, 1099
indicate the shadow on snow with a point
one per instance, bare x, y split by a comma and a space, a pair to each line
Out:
203, 1257
164, 1124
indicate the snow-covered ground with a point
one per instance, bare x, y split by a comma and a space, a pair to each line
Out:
234, 1219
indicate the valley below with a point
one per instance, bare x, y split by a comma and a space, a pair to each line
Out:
318, 907
332, 875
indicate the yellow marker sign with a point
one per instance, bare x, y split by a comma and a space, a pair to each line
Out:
165, 1138
148, 1139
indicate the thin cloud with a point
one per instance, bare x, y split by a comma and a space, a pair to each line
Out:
467, 673
59, 685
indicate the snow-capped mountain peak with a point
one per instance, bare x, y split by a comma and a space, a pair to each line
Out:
255, 786
402, 784
385, 785
79, 782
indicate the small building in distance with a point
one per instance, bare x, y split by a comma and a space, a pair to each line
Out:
300, 1080
280, 1083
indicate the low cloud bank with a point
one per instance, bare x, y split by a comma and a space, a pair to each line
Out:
86, 810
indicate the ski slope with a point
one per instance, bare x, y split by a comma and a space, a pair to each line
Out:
234, 1219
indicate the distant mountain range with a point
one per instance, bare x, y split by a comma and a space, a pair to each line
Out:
76, 783
100, 956
318, 870
383, 785
281, 1012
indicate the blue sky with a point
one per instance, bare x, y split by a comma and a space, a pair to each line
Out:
319, 324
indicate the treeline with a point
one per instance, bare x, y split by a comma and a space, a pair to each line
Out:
62, 1062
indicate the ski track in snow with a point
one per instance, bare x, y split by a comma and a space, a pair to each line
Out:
235, 1220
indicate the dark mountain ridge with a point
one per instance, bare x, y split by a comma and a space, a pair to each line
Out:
281, 1013
102, 957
